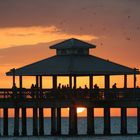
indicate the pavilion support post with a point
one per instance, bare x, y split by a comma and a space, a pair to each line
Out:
37, 80
107, 85
91, 82
41, 113
14, 78
135, 79
54, 82
91, 85
107, 128
74, 84
90, 112
41, 122
73, 121
70, 81
20, 85
125, 81
53, 121
58, 121
40, 81
90, 121
37, 85
16, 121
138, 120
24, 122
35, 122
54, 110
40, 87
5, 121
123, 120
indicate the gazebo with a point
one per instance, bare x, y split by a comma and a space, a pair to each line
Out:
72, 59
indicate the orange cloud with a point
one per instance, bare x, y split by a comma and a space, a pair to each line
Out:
17, 36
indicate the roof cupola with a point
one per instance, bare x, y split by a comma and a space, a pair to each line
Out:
72, 47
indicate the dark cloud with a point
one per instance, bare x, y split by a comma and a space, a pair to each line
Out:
70, 15
22, 55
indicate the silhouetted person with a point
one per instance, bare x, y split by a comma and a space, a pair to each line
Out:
32, 91
96, 91
59, 86
86, 89
14, 89
114, 87
79, 90
68, 87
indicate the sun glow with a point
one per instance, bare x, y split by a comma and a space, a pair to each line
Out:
80, 109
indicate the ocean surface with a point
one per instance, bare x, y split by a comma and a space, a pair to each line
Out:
82, 129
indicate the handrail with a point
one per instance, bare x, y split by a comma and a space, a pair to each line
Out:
97, 94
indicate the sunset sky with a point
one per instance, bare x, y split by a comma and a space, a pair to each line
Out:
28, 28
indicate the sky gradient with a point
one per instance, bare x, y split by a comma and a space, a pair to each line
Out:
28, 28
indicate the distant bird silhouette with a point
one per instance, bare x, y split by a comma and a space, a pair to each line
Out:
128, 17
128, 38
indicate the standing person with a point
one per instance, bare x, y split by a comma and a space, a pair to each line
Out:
96, 89
59, 86
14, 89
32, 91
114, 87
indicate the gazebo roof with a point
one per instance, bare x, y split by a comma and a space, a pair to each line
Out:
71, 44
73, 65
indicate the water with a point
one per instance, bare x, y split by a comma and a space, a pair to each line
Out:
82, 129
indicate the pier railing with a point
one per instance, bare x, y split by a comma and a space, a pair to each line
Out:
96, 94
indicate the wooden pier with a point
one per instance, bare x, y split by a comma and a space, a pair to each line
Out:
126, 98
